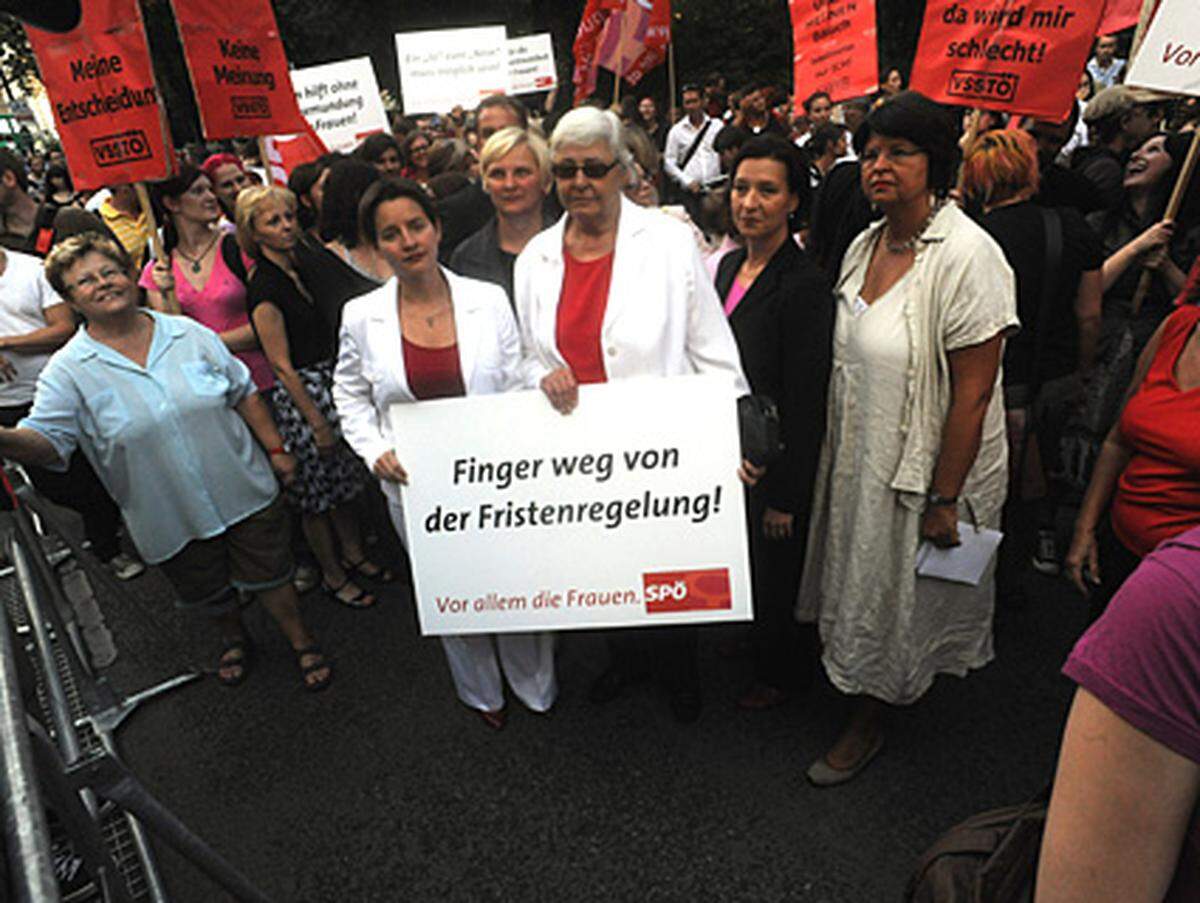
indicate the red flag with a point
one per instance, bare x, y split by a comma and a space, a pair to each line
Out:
1119, 15
998, 55
106, 105
635, 39
834, 50
238, 68
595, 15
286, 152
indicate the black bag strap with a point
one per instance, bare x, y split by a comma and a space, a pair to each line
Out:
231, 253
691, 151
1052, 222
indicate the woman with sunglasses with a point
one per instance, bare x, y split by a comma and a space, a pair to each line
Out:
611, 291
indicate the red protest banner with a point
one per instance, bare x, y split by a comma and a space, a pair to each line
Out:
106, 106
1119, 15
1003, 55
834, 48
238, 68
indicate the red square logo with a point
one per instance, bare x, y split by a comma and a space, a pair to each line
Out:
670, 591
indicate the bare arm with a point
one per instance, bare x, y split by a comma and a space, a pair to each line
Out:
240, 338
1114, 455
257, 415
60, 326
268, 321
26, 446
1087, 317
972, 383
1124, 257
1121, 805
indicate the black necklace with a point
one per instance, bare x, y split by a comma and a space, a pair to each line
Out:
196, 261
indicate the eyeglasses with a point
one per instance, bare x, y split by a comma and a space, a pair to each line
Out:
593, 169
89, 283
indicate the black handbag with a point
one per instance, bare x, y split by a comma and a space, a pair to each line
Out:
758, 424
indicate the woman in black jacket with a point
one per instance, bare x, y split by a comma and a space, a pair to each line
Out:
780, 308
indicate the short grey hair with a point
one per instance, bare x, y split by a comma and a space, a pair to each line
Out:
588, 125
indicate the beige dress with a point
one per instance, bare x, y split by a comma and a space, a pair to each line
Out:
886, 632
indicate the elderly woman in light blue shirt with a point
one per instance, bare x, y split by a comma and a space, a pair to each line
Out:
171, 423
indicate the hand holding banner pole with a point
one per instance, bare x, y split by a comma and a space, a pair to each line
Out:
1173, 205
170, 301
265, 160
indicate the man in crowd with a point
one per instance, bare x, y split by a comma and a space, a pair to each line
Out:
123, 215
690, 161
26, 225
754, 113
499, 111
1106, 70
228, 176
1119, 119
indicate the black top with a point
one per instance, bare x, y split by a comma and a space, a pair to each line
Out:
1062, 187
840, 211
462, 214
1104, 170
481, 257
308, 334
332, 282
1020, 231
784, 331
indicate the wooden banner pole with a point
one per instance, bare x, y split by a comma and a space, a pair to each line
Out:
671, 86
170, 301
265, 160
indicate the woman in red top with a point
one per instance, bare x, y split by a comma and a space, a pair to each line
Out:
1149, 465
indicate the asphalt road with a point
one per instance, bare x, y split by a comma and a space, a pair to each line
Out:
386, 788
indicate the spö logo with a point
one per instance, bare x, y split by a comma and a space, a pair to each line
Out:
123, 147
700, 590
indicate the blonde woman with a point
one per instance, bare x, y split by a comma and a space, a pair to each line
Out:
298, 343
516, 175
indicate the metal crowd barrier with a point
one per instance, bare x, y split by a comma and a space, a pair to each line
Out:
68, 758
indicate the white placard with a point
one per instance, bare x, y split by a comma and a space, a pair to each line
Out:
531, 64
341, 101
442, 69
1169, 59
626, 512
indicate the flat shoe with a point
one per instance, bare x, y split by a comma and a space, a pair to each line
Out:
379, 574
822, 774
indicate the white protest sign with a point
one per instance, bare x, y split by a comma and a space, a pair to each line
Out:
531, 64
341, 101
442, 69
1169, 59
627, 512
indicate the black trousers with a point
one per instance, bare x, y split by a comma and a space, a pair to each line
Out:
668, 653
785, 652
1117, 564
79, 489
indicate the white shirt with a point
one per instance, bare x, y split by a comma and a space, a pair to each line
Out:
663, 317
1105, 78
705, 164
24, 296
370, 375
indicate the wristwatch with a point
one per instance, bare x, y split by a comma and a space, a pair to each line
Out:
933, 500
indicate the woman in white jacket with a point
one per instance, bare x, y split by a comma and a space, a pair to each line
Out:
613, 291
431, 334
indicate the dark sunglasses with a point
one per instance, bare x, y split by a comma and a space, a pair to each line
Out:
593, 169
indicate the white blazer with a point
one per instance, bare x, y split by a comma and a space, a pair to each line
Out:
370, 376
663, 317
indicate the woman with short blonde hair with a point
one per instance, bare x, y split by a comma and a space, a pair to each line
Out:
515, 164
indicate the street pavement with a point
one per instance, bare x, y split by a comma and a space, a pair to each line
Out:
385, 788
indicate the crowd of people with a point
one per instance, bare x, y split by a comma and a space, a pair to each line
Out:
964, 320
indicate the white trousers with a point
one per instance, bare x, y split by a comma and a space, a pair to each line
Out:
476, 661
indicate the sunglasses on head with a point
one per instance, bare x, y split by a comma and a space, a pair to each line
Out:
593, 169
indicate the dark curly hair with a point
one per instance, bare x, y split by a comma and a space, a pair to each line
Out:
928, 125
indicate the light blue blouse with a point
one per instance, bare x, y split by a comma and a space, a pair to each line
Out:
180, 463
